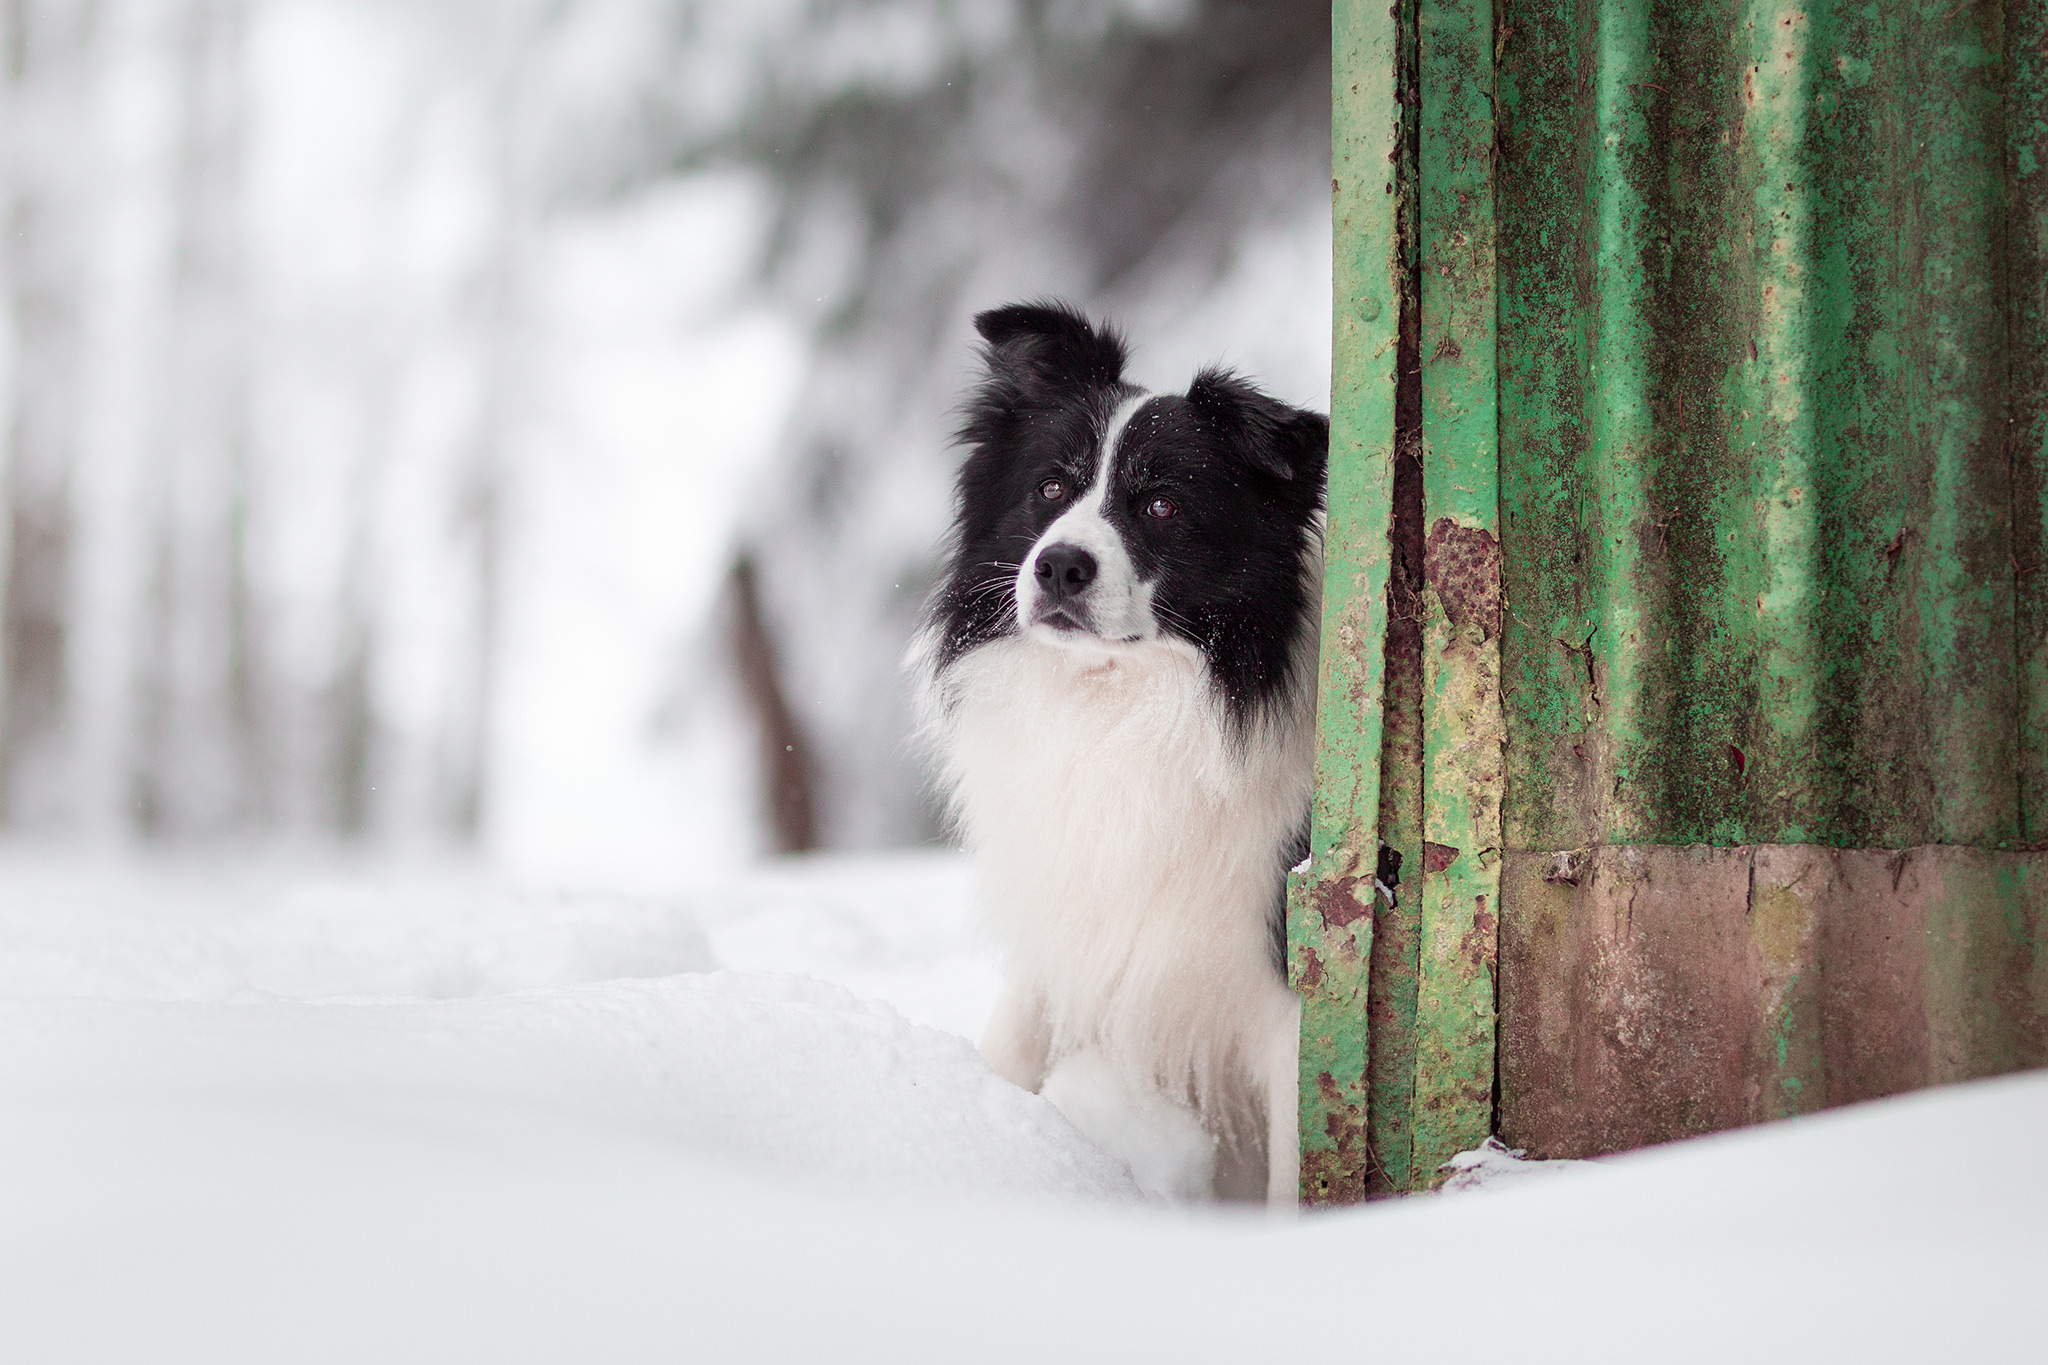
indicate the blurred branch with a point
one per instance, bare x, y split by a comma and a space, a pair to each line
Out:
44, 168
785, 760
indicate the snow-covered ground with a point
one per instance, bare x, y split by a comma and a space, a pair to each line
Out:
275, 1113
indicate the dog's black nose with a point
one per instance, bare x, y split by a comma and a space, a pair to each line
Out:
1064, 570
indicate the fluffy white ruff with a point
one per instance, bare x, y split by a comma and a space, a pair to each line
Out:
1130, 846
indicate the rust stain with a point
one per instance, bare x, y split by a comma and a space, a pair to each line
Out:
1584, 652
1336, 900
1337, 1174
1668, 991
1564, 869
1311, 974
1898, 543
1437, 857
1480, 945
1327, 1179
1463, 564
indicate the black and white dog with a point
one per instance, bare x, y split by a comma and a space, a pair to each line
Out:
1119, 684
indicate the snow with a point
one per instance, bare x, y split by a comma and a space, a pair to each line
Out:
888, 926
1493, 1165
443, 981
270, 1110
186, 934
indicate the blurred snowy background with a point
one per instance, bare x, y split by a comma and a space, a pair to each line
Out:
522, 425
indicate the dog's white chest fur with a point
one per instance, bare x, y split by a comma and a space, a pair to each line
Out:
1128, 845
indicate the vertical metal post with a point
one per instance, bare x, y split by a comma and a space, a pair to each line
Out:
1397, 1047
1464, 732
1330, 910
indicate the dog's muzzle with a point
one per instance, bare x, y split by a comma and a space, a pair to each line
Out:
1063, 574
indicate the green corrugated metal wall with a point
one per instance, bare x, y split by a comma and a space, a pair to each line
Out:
1686, 634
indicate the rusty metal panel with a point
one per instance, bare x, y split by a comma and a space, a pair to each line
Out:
1771, 352
1330, 910
1714, 662
1655, 992
1757, 482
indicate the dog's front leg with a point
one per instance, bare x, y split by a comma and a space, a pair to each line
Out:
1017, 1044
1283, 1106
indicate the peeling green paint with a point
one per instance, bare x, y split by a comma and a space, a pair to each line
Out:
1428, 1021
1330, 926
1463, 728
1395, 978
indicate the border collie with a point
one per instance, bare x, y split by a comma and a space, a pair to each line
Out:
1118, 683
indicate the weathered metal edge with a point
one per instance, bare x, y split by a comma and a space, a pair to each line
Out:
1395, 979
1393, 982
2026, 122
1330, 919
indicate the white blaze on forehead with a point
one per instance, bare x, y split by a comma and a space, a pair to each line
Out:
1118, 606
1111, 434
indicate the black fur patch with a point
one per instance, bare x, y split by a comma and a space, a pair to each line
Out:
1242, 471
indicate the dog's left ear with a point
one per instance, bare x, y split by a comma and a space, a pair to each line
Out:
1053, 343
1286, 442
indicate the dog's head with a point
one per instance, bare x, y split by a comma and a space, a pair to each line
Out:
1096, 516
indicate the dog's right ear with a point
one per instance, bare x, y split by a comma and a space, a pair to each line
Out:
1052, 343
1262, 431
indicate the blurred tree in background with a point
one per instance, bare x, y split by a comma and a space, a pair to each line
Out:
297, 384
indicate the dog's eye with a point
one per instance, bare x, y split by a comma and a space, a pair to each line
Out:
1160, 508
1052, 490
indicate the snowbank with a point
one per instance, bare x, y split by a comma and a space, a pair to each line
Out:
309, 1147
445, 987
